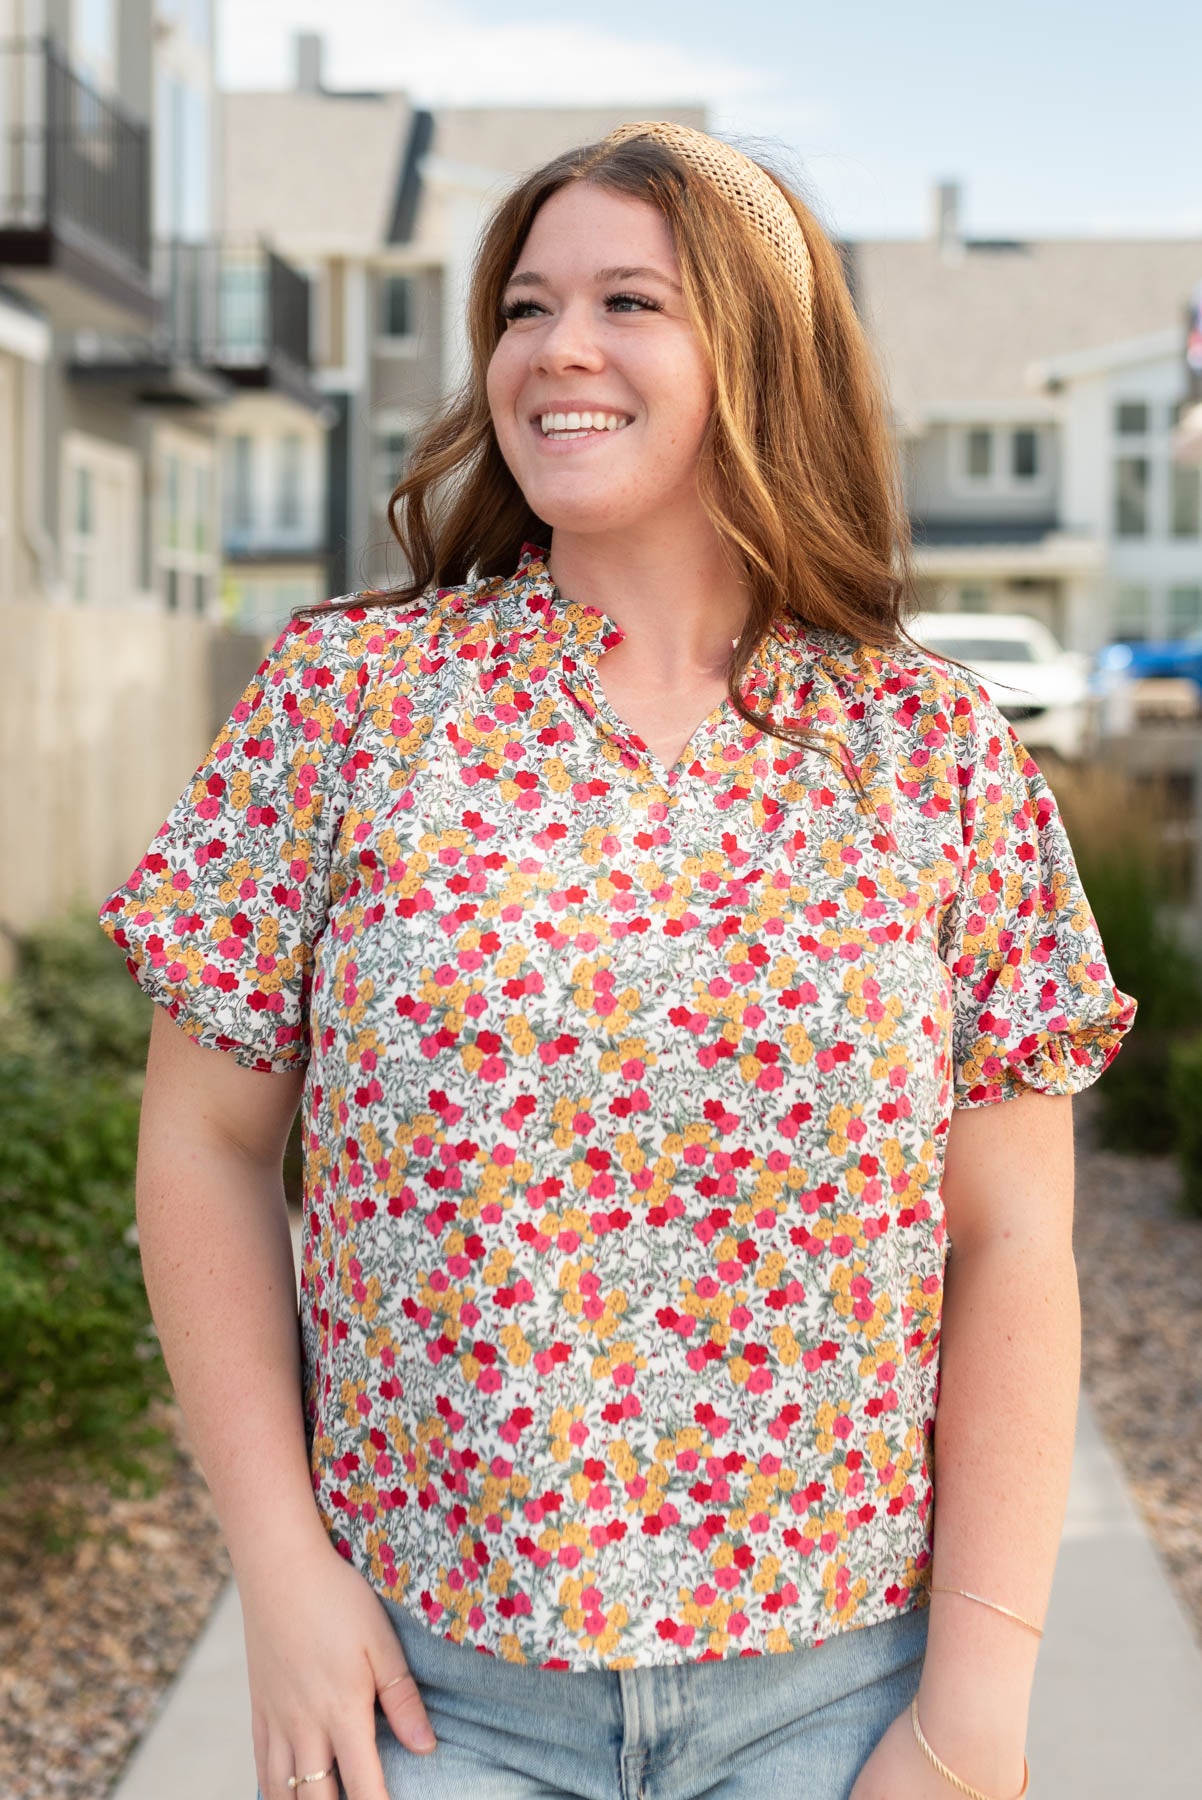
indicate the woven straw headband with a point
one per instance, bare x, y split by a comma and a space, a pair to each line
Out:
748, 189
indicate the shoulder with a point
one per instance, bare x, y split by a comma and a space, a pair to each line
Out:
948, 736
906, 680
348, 645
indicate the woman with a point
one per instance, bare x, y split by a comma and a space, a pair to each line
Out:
648, 1058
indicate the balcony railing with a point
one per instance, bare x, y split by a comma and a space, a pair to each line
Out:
71, 162
232, 305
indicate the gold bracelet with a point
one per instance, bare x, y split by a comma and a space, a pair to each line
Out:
961, 1787
1002, 1609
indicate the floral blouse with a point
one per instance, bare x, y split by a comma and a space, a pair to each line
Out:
626, 1093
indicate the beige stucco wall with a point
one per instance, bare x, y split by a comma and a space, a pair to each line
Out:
105, 716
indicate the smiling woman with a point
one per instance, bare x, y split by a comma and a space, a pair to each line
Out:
648, 929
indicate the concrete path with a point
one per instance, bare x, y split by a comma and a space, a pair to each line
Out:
1116, 1709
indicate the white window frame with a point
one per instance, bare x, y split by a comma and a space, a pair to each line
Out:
1141, 454
106, 556
1151, 619
289, 484
1001, 481
386, 343
1172, 628
384, 424
187, 559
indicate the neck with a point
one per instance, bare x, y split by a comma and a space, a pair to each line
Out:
676, 597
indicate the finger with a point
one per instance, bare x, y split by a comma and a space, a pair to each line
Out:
358, 1764
405, 1711
312, 1752
258, 1733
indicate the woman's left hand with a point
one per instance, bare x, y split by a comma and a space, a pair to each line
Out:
898, 1770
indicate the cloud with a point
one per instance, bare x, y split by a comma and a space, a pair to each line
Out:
444, 55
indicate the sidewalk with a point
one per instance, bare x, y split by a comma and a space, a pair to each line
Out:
1116, 1709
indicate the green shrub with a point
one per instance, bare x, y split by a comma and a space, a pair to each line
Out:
79, 1362
1116, 830
80, 1365
73, 998
1185, 1094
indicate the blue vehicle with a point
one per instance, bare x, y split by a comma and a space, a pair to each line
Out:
1179, 657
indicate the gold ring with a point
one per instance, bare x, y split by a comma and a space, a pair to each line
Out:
295, 1781
392, 1683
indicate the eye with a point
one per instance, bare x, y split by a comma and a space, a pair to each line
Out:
636, 299
515, 309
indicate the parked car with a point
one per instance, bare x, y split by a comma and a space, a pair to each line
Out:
1042, 689
1179, 658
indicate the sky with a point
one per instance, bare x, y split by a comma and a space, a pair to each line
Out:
1056, 118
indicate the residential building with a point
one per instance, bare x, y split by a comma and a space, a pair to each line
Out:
135, 339
1034, 384
380, 203
172, 345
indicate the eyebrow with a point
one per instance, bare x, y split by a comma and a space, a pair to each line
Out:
531, 277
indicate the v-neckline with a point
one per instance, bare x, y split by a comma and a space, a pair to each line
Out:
594, 632
706, 727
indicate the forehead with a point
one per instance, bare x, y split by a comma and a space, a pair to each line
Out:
584, 224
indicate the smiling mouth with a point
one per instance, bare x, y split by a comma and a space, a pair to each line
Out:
564, 427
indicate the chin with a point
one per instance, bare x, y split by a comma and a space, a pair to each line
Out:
602, 511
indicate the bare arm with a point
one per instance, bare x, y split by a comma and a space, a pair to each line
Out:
218, 1267
1009, 1373
1010, 1363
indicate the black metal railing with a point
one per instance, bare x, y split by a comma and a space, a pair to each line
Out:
70, 160
232, 304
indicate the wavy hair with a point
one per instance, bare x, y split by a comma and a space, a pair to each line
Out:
798, 471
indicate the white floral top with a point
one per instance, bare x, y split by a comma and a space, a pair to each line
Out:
626, 1098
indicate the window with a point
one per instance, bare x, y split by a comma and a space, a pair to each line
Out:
1132, 612
973, 598
396, 306
1185, 609
1024, 454
242, 308
392, 451
1186, 504
241, 489
264, 605
185, 552
171, 535
1131, 418
98, 519
1131, 496
93, 42
979, 459
201, 519
288, 488
85, 527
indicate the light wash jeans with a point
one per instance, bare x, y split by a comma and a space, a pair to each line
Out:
793, 1725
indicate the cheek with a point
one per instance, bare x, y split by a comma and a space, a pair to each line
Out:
499, 389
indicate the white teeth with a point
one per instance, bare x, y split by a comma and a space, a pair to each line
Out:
578, 423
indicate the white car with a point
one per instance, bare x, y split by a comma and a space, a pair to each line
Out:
1042, 690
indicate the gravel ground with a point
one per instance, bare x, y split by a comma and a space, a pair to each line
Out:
90, 1640
1140, 1268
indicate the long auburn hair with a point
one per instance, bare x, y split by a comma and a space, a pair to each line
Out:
798, 471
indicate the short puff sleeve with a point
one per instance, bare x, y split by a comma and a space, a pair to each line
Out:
219, 918
1035, 1004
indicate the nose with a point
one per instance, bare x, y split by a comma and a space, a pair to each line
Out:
567, 342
